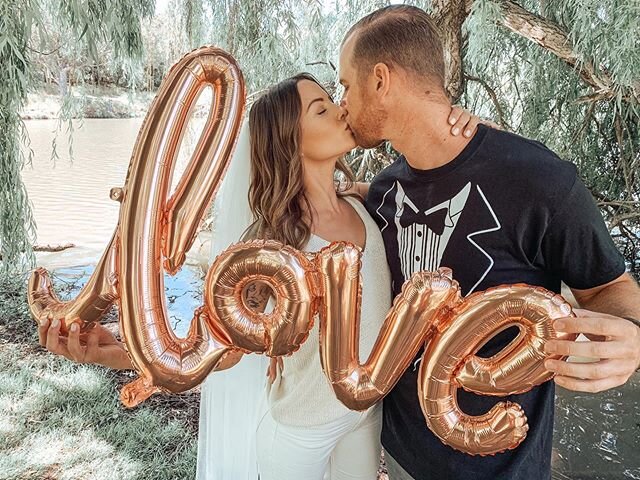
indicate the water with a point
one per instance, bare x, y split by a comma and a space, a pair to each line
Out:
70, 199
595, 436
71, 204
183, 292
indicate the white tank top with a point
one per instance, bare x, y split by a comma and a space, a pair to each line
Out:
302, 395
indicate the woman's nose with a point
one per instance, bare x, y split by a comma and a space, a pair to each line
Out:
342, 112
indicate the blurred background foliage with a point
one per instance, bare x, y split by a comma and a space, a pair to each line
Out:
564, 72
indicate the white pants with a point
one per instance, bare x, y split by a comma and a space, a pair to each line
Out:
347, 448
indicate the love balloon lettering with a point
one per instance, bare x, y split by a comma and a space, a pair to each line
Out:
156, 229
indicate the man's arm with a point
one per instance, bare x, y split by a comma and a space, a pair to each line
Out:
618, 344
620, 297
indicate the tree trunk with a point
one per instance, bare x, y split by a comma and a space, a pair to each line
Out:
449, 15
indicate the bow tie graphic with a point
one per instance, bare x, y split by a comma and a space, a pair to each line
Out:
435, 221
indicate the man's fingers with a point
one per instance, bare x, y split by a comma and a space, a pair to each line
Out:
583, 312
455, 113
76, 350
590, 371
602, 350
590, 386
598, 325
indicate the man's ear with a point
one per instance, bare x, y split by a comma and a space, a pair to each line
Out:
382, 79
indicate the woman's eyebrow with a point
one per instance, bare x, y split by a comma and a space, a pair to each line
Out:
319, 99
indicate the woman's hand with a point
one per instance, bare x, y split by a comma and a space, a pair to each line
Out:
272, 370
98, 345
463, 121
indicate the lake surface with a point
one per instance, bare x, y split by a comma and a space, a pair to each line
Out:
595, 436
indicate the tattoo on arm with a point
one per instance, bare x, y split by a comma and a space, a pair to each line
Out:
256, 296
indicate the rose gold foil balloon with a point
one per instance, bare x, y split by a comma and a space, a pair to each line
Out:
430, 309
408, 323
289, 274
93, 301
153, 225
449, 362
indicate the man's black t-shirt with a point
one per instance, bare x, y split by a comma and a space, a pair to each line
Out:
506, 210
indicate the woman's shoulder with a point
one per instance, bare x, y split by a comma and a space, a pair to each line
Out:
357, 202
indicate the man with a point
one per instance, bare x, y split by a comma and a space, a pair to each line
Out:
497, 209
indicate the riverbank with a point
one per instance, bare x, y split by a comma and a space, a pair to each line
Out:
89, 101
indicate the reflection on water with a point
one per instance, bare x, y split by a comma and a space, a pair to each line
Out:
70, 200
183, 292
595, 436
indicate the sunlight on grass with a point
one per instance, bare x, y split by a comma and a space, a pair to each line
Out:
79, 455
62, 420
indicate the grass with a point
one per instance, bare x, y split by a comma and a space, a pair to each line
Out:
61, 420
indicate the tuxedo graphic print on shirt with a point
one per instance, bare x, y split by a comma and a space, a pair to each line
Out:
423, 234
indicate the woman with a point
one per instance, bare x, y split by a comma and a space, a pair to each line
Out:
298, 136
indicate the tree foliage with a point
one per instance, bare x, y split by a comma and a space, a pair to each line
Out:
564, 72
25, 25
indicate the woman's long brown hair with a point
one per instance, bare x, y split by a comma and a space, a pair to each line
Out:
276, 193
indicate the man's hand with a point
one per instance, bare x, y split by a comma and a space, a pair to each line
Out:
617, 347
98, 345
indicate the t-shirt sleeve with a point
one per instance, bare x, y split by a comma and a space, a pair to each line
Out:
577, 245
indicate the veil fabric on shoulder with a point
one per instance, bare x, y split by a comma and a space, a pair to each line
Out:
232, 401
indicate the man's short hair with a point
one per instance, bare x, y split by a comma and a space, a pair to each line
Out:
400, 35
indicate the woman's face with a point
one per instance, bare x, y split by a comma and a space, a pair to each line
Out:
325, 135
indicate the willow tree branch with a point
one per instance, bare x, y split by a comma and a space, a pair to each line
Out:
320, 62
494, 98
44, 53
552, 37
52, 248
618, 220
